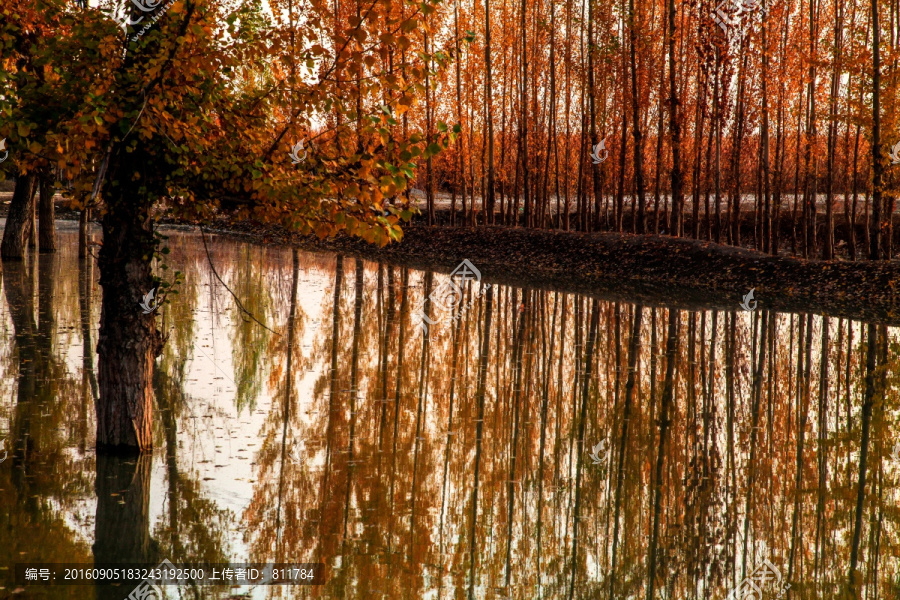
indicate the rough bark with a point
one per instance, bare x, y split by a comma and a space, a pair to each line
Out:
18, 219
129, 340
47, 215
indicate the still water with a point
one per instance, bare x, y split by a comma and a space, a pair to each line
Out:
528, 444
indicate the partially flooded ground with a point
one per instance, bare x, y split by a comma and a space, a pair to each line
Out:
523, 443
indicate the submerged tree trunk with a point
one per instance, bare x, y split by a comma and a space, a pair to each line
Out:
129, 340
18, 220
84, 221
18, 287
47, 214
122, 522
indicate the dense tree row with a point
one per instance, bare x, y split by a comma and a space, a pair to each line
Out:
772, 131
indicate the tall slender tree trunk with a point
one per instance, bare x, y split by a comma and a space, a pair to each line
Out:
718, 126
523, 132
877, 160
489, 111
568, 160
736, 148
552, 144
764, 145
636, 126
828, 248
675, 130
810, 244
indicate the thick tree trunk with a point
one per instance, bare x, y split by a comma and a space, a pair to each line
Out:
18, 220
122, 522
19, 289
47, 214
129, 341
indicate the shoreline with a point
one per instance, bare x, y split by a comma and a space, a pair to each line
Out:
655, 271
650, 270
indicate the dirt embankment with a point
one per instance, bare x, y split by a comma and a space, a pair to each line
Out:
653, 270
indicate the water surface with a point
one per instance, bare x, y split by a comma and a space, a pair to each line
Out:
529, 444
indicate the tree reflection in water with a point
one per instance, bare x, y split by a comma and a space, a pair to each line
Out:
453, 462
